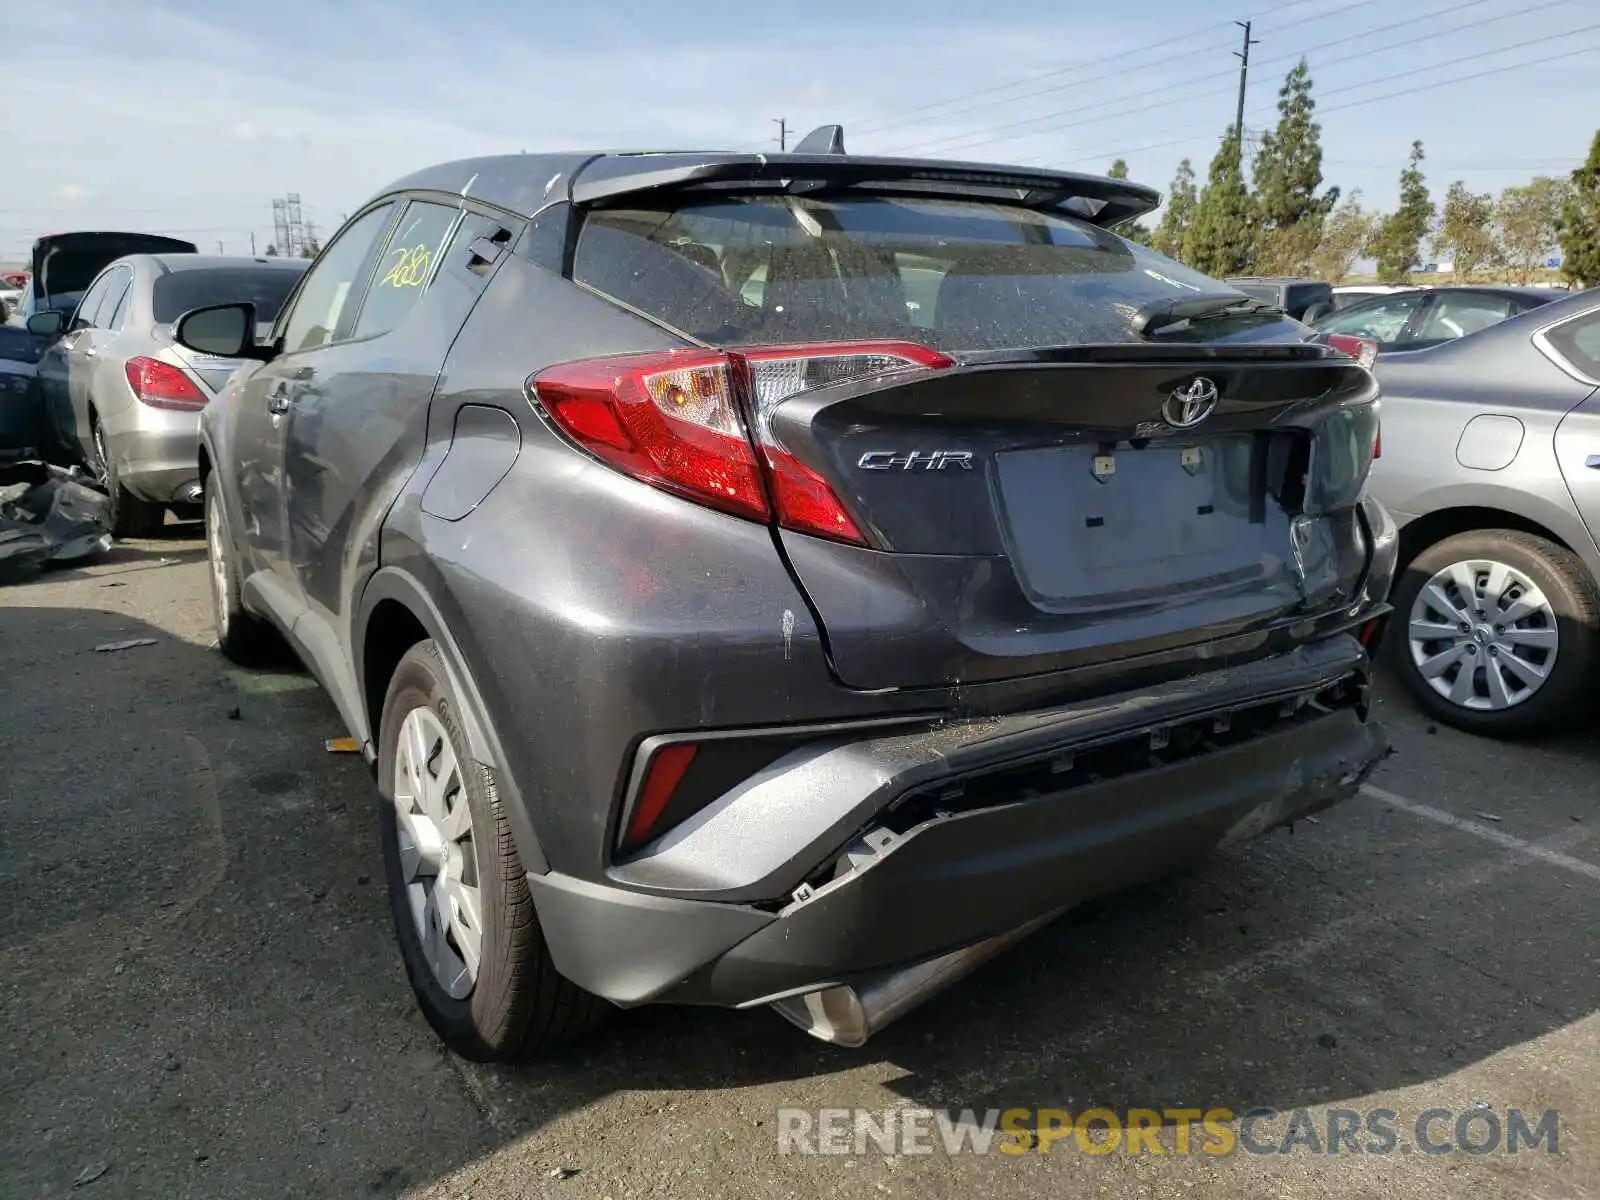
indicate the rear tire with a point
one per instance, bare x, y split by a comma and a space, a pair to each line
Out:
515, 1004
131, 517
241, 636
1558, 637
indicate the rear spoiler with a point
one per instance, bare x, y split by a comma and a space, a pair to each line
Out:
819, 163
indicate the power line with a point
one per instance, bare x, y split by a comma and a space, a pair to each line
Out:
982, 138
1188, 54
1533, 62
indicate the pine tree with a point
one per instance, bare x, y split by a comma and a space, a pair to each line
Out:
1398, 241
1222, 238
1179, 213
1580, 222
1467, 232
1288, 172
1132, 230
272, 252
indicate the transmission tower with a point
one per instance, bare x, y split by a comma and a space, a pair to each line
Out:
297, 232
280, 227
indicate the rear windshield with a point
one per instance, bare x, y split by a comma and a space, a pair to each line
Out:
179, 291
959, 275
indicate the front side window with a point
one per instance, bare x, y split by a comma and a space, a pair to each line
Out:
325, 300
114, 308
83, 318
405, 266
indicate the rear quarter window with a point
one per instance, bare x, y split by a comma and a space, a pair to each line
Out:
958, 275
1578, 341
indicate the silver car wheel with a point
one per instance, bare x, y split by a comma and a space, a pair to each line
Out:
438, 857
1483, 635
219, 565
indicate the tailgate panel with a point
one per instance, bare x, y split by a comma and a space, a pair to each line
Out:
1163, 516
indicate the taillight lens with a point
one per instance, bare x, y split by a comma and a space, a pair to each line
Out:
677, 419
1363, 350
162, 385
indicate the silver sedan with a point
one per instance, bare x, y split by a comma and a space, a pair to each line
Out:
132, 396
1490, 464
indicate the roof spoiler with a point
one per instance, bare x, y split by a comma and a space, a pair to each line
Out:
819, 163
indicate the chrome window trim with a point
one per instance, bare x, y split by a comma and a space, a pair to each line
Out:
1541, 339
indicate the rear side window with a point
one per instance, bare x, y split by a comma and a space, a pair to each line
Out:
954, 274
1578, 341
179, 291
1458, 314
405, 267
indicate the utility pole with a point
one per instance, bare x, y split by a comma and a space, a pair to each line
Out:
1244, 72
252, 245
219, 245
783, 132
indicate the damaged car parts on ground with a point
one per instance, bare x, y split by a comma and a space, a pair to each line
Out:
566, 476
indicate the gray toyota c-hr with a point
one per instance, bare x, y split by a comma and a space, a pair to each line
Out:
789, 579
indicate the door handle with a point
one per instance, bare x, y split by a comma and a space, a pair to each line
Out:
90, 352
1592, 461
278, 400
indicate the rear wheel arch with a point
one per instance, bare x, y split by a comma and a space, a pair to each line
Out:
1434, 527
396, 614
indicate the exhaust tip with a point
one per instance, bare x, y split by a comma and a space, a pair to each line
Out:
190, 493
833, 1015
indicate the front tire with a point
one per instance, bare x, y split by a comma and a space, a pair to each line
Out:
242, 637
469, 936
1495, 632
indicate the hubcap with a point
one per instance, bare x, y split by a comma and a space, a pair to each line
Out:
219, 564
438, 858
1483, 635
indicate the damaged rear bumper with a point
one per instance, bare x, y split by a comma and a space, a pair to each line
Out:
905, 847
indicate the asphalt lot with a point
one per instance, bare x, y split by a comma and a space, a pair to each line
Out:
201, 999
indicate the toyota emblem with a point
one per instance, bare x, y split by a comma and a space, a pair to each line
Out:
1188, 406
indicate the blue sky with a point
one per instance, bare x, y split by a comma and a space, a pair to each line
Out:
189, 117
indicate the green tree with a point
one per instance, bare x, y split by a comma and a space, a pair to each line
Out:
1132, 230
1529, 218
1222, 239
1398, 240
1467, 232
1580, 222
1179, 213
1288, 174
1345, 234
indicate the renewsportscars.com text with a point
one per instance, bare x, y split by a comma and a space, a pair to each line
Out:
1177, 1131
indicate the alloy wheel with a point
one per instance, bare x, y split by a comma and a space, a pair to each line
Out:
438, 857
1483, 635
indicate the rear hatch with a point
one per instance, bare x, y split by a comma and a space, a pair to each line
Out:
68, 262
1028, 466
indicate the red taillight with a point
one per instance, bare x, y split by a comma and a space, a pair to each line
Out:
1377, 444
1363, 350
162, 385
678, 420
662, 777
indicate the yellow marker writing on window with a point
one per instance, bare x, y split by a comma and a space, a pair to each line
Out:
410, 267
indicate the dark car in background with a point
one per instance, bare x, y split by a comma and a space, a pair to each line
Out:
128, 394
728, 627
1491, 467
62, 265
1417, 318
1303, 299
